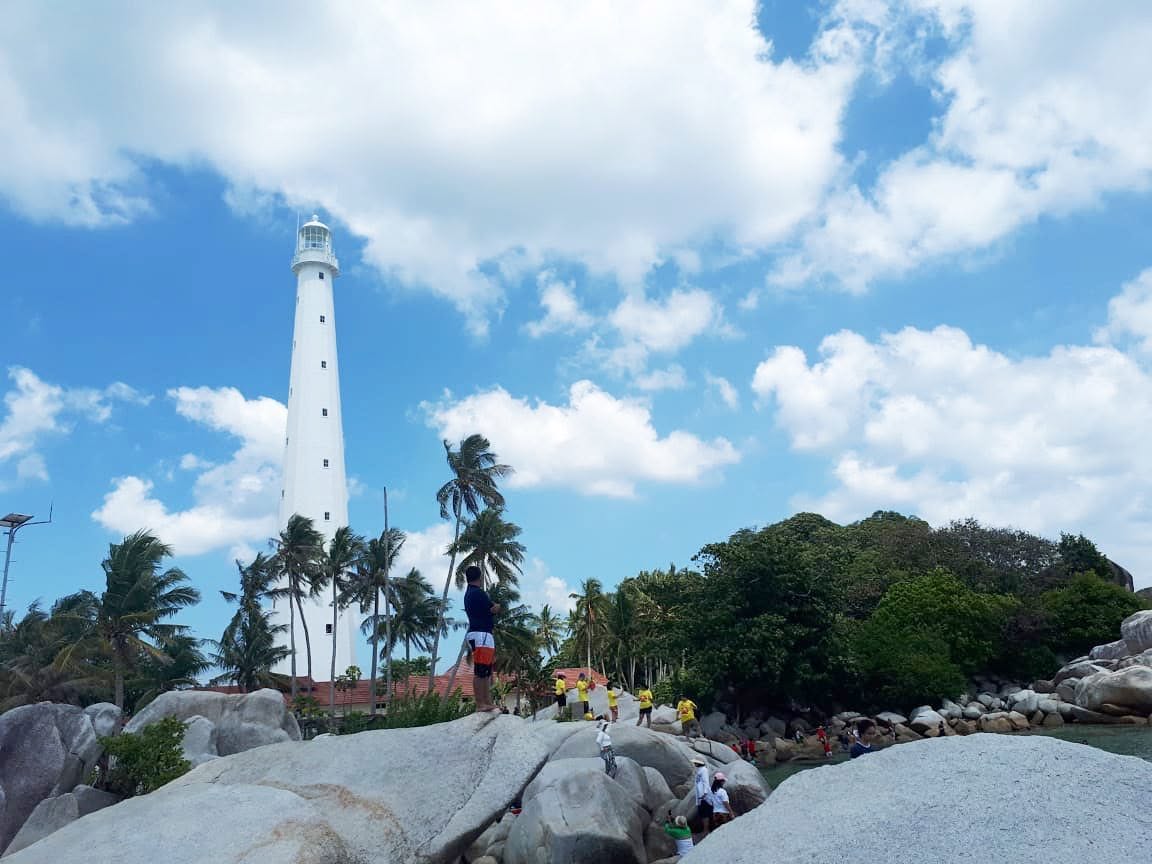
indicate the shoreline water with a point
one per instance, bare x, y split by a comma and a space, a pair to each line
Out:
1122, 740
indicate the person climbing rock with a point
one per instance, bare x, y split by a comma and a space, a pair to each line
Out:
721, 805
604, 742
679, 831
613, 702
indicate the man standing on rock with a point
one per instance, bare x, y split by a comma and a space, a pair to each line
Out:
645, 699
561, 694
686, 709
481, 613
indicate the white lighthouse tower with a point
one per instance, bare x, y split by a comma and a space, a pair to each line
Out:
314, 483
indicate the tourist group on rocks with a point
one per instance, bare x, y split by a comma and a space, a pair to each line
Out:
640, 783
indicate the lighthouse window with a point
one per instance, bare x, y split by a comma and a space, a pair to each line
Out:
322, 319
321, 276
323, 412
327, 516
325, 463
323, 364
328, 629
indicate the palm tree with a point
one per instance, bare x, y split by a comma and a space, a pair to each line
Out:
180, 668
298, 550
516, 631
475, 470
342, 555
549, 630
589, 612
137, 599
249, 649
416, 613
30, 667
365, 585
490, 543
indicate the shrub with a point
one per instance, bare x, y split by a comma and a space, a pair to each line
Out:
146, 760
406, 712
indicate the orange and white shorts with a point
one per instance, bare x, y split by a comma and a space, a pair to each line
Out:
483, 652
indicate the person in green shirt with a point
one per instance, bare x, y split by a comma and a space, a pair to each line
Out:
680, 832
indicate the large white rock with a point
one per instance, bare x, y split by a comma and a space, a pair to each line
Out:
52, 814
714, 723
891, 718
630, 776
671, 757
659, 795
387, 797
1111, 651
1129, 688
949, 710
1137, 631
925, 719
1077, 669
199, 742
581, 816
45, 751
105, 718
1047, 791
1024, 701
242, 721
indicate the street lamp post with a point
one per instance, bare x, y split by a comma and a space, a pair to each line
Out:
14, 522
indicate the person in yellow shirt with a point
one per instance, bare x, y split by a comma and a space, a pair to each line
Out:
645, 698
686, 710
613, 706
582, 692
561, 693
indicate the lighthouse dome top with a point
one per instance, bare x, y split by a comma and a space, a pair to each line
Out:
314, 246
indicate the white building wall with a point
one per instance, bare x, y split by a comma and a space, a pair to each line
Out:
314, 481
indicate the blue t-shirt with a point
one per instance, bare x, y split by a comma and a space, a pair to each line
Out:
478, 606
859, 749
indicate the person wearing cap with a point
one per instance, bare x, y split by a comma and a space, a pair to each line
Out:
604, 742
561, 693
679, 831
721, 806
702, 791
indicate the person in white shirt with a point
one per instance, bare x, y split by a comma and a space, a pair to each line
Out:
721, 806
703, 792
604, 742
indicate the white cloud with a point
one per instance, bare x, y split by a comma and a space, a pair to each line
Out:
931, 423
1048, 108
35, 410
538, 587
234, 503
425, 550
1130, 315
448, 136
596, 444
670, 378
562, 312
724, 389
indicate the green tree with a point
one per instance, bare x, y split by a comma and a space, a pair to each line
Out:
549, 630
138, 599
343, 555
1086, 612
180, 667
249, 647
148, 759
299, 548
31, 661
366, 584
475, 471
928, 635
590, 615
489, 542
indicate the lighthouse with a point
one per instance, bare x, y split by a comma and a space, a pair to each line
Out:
314, 482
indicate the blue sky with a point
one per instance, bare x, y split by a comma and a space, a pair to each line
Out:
690, 269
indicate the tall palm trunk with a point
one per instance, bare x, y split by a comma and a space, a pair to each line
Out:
119, 687
376, 651
444, 602
307, 643
387, 618
292, 642
332, 677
